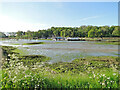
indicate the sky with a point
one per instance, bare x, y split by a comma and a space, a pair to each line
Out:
34, 16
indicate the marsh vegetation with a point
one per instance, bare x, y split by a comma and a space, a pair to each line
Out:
34, 71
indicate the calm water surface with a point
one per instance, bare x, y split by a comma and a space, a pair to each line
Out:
64, 50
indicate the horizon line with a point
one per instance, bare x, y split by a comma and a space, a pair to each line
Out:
64, 26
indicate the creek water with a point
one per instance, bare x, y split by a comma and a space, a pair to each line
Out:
63, 50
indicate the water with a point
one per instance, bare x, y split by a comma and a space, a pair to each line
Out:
64, 50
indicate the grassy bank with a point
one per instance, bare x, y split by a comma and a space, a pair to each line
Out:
35, 72
33, 43
107, 43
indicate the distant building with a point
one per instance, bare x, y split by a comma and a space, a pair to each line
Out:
74, 39
10, 33
59, 39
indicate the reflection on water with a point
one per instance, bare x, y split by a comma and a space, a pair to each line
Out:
65, 50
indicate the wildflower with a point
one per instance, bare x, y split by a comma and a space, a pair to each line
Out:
114, 74
103, 83
9, 55
35, 86
103, 75
108, 78
15, 81
16, 72
58, 82
18, 63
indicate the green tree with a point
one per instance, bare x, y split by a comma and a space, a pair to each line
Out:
19, 33
116, 32
91, 33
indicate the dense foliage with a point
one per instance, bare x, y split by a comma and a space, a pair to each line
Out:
82, 31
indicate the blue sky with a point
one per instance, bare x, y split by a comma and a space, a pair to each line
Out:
42, 15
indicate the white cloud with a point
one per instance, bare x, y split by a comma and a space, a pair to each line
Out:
8, 24
87, 18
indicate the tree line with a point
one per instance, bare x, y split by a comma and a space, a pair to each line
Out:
82, 31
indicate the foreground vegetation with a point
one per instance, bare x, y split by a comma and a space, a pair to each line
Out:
33, 71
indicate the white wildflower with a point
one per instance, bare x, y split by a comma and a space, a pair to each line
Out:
114, 74
103, 75
103, 83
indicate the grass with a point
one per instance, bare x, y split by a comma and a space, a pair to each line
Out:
29, 60
59, 42
20, 51
0, 74
107, 43
89, 72
93, 39
2, 39
16, 44
44, 39
0, 78
33, 43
